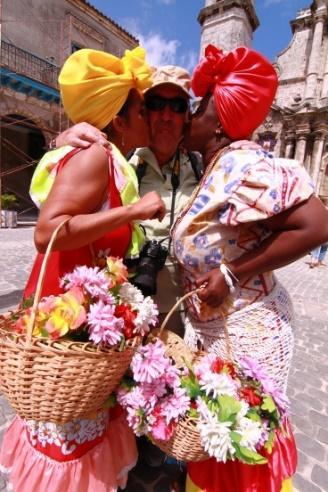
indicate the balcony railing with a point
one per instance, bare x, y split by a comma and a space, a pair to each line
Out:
24, 63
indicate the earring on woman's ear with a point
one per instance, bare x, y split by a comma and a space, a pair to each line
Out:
218, 132
123, 141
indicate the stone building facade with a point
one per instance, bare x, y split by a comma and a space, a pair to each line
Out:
37, 37
297, 126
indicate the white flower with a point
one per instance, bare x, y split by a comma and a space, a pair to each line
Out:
215, 435
250, 431
129, 294
218, 384
243, 410
147, 316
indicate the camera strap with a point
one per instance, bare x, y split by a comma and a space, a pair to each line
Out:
175, 182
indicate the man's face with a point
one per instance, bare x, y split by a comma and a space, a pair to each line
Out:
166, 125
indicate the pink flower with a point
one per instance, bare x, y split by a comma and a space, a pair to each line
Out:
253, 369
175, 405
92, 280
149, 362
156, 388
161, 430
104, 327
204, 365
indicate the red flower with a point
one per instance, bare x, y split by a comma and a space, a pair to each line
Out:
124, 311
217, 365
231, 369
249, 395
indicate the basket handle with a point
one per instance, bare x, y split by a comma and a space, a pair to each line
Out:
39, 284
225, 327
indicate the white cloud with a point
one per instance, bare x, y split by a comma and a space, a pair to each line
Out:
189, 60
160, 51
167, 2
267, 3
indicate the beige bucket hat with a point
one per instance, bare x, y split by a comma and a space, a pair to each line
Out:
171, 74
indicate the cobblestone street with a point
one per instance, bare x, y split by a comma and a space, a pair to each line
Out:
308, 382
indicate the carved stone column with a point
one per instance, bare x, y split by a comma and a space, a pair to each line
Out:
320, 135
324, 89
302, 132
313, 67
290, 145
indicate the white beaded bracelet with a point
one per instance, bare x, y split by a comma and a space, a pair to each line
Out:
232, 275
228, 280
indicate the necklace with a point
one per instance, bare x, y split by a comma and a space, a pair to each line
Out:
208, 170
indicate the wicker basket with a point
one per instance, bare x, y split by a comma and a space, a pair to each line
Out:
56, 381
185, 443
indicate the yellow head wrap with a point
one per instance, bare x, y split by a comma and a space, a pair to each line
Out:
94, 85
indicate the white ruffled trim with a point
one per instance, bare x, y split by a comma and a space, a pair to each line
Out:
5, 470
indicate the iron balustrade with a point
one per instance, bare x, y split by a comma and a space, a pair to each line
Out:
24, 63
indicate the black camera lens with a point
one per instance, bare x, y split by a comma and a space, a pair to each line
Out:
152, 259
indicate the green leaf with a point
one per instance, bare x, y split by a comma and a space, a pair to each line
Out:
193, 413
122, 344
235, 437
248, 456
269, 444
192, 386
27, 302
253, 414
110, 402
229, 407
268, 404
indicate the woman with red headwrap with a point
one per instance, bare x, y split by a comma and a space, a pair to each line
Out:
250, 214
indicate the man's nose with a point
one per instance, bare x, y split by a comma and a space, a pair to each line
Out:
166, 113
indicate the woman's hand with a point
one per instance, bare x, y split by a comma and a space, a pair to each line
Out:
150, 206
81, 135
215, 290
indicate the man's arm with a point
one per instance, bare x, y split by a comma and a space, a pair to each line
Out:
81, 135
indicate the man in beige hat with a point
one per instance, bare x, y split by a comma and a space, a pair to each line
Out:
163, 167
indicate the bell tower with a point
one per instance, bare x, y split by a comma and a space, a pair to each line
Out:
227, 23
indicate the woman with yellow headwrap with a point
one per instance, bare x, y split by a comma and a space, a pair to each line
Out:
97, 190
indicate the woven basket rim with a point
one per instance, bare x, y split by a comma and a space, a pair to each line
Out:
63, 345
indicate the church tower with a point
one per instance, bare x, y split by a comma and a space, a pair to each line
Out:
227, 23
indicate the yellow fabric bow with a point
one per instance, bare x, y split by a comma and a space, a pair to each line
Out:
94, 85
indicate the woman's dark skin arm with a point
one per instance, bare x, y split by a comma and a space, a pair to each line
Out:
78, 191
294, 232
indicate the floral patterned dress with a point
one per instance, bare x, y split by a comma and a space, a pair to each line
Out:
221, 222
93, 454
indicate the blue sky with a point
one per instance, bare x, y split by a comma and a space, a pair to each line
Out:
170, 32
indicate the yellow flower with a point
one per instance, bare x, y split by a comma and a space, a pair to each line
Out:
67, 314
117, 271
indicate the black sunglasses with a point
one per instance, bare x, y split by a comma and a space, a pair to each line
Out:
158, 103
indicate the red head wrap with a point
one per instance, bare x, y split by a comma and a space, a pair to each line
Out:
244, 84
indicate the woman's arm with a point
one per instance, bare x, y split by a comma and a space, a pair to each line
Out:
78, 192
294, 232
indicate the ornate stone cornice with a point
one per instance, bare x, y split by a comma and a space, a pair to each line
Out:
302, 130
222, 6
107, 22
320, 129
88, 30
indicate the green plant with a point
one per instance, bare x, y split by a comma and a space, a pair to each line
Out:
8, 201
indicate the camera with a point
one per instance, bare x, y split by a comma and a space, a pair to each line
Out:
152, 259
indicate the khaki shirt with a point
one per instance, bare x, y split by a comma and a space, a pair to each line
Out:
157, 179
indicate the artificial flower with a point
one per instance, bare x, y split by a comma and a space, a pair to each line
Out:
104, 326
149, 362
116, 270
